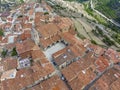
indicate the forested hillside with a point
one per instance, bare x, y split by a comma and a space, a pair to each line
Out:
111, 8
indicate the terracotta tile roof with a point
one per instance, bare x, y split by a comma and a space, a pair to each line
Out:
48, 67
110, 76
45, 85
45, 43
17, 27
113, 55
115, 85
75, 84
68, 73
37, 75
25, 35
26, 25
38, 16
76, 67
36, 47
74, 73
69, 38
41, 20
97, 49
88, 76
78, 49
24, 46
60, 52
54, 83
56, 38
8, 85
100, 85
87, 60
37, 54
64, 23
23, 20
109, 80
23, 78
47, 30
72, 31
9, 63
117, 67
102, 63
63, 55
41, 70
44, 61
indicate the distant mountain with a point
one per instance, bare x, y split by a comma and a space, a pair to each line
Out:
110, 8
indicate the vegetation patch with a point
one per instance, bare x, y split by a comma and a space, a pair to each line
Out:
100, 19
109, 8
21, 1
107, 41
14, 52
4, 53
94, 42
46, 13
81, 36
1, 32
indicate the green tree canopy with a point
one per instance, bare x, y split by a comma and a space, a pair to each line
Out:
1, 32
14, 52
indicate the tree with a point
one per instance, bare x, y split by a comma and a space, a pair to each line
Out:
82, 15
46, 13
1, 33
4, 53
21, 1
14, 52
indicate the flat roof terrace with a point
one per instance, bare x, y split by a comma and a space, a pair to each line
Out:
53, 49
